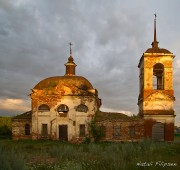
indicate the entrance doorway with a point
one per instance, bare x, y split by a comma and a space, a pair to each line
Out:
158, 132
63, 132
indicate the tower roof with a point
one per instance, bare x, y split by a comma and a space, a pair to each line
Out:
155, 48
70, 65
155, 42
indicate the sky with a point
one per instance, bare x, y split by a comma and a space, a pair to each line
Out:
108, 37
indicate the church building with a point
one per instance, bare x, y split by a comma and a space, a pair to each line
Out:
62, 107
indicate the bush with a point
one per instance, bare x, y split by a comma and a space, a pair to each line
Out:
97, 132
5, 132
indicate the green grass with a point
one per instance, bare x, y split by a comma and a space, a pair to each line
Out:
54, 155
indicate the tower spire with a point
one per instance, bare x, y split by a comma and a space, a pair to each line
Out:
70, 65
70, 48
155, 42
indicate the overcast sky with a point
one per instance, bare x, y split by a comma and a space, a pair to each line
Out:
108, 37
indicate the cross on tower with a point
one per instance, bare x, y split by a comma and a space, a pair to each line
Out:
70, 47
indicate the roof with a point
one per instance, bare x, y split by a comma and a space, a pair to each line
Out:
102, 116
77, 81
65, 85
158, 50
26, 115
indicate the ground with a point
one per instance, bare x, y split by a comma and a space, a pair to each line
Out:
55, 155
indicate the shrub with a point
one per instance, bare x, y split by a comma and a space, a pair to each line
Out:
97, 132
5, 132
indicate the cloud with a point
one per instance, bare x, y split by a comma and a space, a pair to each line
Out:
14, 105
108, 40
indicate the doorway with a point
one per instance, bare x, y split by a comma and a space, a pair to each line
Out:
158, 132
63, 132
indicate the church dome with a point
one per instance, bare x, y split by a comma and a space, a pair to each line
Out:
77, 81
68, 85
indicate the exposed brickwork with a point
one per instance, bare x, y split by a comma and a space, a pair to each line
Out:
148, 123
169, 132
124, 130
18, 128
168, 129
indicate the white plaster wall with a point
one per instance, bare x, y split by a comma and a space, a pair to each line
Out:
158, 105
161, 118
53, 119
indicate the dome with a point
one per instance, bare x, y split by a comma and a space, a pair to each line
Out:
77, 84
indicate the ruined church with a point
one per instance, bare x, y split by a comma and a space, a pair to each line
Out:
62, 107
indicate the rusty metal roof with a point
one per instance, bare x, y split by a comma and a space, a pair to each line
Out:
102, 116
78, 81
26, 115
158, 50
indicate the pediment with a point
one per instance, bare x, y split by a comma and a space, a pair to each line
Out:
157, 96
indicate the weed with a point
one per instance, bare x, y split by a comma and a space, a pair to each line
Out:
47, 155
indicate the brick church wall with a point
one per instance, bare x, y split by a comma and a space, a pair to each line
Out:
124, 130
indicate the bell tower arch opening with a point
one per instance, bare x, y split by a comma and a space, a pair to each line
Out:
158, 76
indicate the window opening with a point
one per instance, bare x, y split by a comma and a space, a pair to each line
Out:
116, 131
44, 130
82, 130
27, 129
44, 108
82, 108
131, 131
158, 76
63, 109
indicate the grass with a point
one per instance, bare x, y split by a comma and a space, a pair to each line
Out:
55, 155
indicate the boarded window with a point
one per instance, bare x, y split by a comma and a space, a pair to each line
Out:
158, 132
27, 129
103, 130
44, 130
117, 130
82, 108
44, 108
82, 130
131, 131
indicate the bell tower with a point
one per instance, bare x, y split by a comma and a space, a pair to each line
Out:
156, 93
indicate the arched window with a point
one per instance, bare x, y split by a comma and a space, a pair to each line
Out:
63, 109
82, 108
158, 76
44, 108
27, 129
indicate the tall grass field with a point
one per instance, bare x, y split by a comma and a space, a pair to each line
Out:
55, 155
